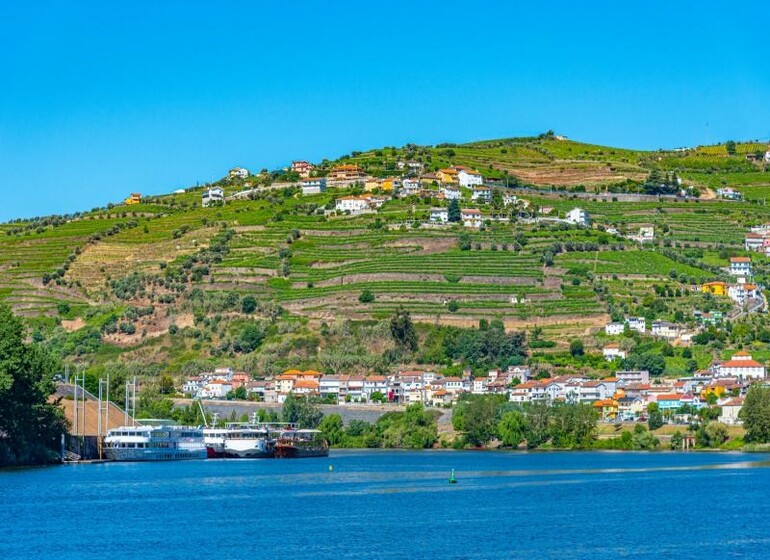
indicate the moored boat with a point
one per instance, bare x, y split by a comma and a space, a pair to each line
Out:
214, 438
154, 443
299, 444
248, 443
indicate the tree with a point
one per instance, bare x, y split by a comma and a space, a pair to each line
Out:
730, 147
366, 297
453, 211
464, 242
512, 428
755, 414
576, 348
655, 416
402, 330
302, 411
331, 426
30, 426
476, 417
249, 305
712, 434
453, 306
166, 385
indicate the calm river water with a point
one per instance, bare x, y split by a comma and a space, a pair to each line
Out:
389, 504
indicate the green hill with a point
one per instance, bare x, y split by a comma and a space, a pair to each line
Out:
170, 283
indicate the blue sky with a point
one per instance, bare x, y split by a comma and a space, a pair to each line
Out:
101, 99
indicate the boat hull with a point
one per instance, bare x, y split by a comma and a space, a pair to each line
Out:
300, 452
127, 454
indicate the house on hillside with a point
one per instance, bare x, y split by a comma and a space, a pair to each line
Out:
731, 409
313, 185
448, 176
767, 156
578, 217
742, 291
742, 366
753, 241
238, 173
468, 178
135, 198
638, 324
740, 266
613, 351
613, 329
471, 217
728, 193
214, 195
714, 288
302, 168
481, 194
664, 329
410, 187
348, 172
451, 193
439, 215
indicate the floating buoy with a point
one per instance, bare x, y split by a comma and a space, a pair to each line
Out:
331, 468
452, 479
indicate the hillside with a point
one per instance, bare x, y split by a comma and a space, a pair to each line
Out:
169, 283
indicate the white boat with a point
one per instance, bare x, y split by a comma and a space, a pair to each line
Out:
214, 438
249, 443
154, 443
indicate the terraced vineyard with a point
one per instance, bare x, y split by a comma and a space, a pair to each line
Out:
296, 253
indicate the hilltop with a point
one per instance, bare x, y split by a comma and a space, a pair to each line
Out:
275, 279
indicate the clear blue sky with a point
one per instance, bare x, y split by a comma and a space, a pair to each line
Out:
98, 99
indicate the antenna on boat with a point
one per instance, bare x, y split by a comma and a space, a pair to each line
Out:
130, 407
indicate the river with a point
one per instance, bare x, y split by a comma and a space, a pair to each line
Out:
394, 504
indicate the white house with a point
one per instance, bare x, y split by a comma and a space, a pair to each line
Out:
767, 156
665, 329
632, 377
213, 196
613, 329
754, 242
577, 216
352, 204
731, 409
313, 185
740, 266
510, 199
613, 351
481, 194
729, 193
410, 187
471, 217
238, 172
646, 234
439, 215
742, 366
468, 178
741, 291
451, 193
638, 324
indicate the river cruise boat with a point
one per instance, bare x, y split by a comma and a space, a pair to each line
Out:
298, 444
249, 443
154, 443
214, 438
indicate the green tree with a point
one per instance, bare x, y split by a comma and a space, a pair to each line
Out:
512, 428
331, 426
576, 348
730, 147
464, 242
30, 426
477, 418
248, 305
676, 440
366, 297
453, 306
402, 330
166, 385
755, 414
453, 211
303, 411
654, 416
